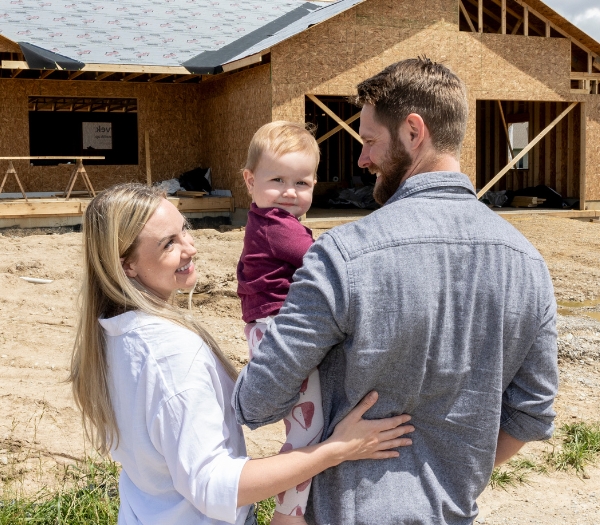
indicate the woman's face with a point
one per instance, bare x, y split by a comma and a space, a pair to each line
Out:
162, 261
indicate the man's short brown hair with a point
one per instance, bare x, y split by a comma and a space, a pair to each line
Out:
418, 85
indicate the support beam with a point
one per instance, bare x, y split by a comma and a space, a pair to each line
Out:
184, 78
548, 29
512, 153
105, 75
335, 117
480, 15
466, 15
158, 77
516, 28
526, 20
131, 76
333, 131
148, 169
16, 73
75, 74
525, 150
503, 22
46, 73
582, 157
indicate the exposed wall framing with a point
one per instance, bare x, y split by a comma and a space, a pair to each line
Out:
554, 162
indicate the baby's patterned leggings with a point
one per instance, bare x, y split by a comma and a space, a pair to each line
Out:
303, 425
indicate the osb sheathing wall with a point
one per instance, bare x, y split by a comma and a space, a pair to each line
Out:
232, 109
592, 151
168, 112
332, 57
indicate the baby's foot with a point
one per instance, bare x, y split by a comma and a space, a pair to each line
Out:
282, 519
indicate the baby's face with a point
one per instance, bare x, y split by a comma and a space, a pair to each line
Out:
285, 182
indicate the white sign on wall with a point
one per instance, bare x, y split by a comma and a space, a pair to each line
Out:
97, 135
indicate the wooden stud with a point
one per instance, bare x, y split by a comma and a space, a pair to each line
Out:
337, 128
16, 73
503, 23
547, 29
558, 161
148, 168
582, 156
570, 130
547, 146
590, 63
526, 20
526, 150
467, 16
75, 74
480, 15
47, 73
335, 117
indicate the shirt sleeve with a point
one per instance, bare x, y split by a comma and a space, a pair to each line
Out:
189, 431
313, 319
527, 412
289, 241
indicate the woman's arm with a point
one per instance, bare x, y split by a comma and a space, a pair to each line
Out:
353, 438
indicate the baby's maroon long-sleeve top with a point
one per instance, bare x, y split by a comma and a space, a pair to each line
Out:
274, 245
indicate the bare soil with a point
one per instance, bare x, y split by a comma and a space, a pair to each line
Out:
41, 428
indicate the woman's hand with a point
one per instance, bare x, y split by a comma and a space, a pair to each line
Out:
353, 438
358, 438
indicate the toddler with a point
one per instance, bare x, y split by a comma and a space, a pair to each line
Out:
280, 174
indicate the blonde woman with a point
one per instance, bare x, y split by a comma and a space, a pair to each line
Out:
154, 388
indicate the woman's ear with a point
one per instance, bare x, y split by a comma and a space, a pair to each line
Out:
128, 268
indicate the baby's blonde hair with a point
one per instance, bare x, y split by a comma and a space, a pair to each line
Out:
281, 137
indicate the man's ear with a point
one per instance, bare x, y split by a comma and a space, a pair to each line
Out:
249, 180
128, 268
413, 131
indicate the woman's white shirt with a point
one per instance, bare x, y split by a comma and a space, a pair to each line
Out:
180, 446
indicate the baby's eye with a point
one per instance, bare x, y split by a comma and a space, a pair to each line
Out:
302, 183
276, 179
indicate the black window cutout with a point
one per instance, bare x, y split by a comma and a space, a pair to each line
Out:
57, 127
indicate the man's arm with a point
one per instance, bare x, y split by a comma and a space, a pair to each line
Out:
527, 412
507, 447
314, 318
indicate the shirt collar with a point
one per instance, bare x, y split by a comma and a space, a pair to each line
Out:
430, 181
123, 323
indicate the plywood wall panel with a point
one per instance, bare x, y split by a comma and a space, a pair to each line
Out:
592, 188
232, 109
173, 126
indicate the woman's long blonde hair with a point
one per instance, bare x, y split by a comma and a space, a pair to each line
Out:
111, 225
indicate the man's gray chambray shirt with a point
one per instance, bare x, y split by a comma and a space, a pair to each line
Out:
448, 312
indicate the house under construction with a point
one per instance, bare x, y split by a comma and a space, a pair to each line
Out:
185, 84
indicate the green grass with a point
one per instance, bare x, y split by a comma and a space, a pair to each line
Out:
265, 511
89, 494
580, 446
515, 472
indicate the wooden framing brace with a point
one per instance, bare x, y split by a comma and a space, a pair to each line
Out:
525, 150
466, 15
337, 128
512, 153
335, 117
582, 156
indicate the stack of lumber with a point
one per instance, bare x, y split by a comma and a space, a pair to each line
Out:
526, 202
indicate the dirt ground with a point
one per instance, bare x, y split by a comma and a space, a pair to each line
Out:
41, 430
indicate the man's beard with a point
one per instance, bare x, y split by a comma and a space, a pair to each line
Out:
391, 172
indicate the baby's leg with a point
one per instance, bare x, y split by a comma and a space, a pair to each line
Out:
303, 427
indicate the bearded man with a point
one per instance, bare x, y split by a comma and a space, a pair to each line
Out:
433, 301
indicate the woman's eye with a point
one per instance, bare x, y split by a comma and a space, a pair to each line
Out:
169, 244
